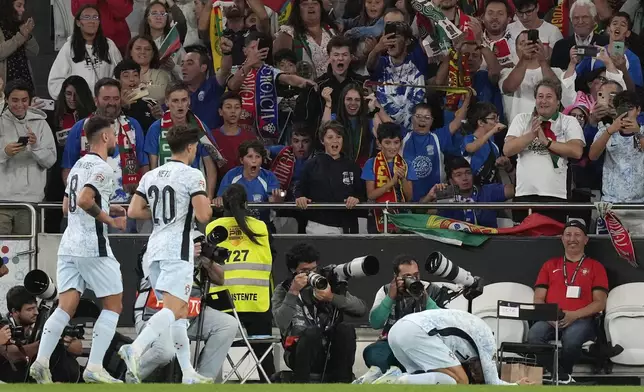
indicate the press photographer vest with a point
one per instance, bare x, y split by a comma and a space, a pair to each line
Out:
247, 272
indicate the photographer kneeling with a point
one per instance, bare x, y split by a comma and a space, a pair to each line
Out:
404, 295
305, 317
16, 354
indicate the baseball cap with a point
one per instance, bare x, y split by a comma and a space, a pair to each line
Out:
578, 224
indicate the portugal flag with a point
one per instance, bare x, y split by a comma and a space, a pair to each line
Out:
451, 231
171, 43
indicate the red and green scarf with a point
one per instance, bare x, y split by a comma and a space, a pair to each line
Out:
126, 139
383, 175
459, 76
259, 103
561, 17
546, 126
204, 138
283, 167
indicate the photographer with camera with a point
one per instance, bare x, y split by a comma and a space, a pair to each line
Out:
249, 263
308, 309
218, 332
405, 294
16, 355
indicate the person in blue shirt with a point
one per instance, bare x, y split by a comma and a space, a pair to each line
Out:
261, 185
479, 148
206, 91
108, 104
393, 184
424, 148
618, 30
461, 177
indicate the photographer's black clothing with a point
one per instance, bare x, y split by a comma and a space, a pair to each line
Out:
328, 180
308, 354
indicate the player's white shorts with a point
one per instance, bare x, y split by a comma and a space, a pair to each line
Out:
172, 276
417, 351
99, 274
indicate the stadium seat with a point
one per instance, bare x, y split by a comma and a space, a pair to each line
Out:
623, 322
485, 307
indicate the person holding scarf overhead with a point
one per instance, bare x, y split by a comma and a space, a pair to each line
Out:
129, 160
387, 176
256, 83
179, 113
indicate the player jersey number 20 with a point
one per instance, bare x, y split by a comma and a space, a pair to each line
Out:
166, 198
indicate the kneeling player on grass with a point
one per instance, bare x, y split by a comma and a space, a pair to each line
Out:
85, 259
168, 195
443, 346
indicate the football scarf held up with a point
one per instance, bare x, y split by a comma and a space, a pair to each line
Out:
126, 139
561, 17
459, 76
283, 166
259, 103
383, 175
204, 139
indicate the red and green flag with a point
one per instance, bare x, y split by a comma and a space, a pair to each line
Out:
171, 43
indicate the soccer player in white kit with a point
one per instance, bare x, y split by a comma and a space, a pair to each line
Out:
85, 259
438, 343
169, 195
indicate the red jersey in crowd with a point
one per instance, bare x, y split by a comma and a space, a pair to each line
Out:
591, 275
113, 14
228, 145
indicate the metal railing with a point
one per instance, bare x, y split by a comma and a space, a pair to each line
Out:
32, 236
432, 206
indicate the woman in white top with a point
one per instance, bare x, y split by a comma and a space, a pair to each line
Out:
142, 50
87, 53
307, 32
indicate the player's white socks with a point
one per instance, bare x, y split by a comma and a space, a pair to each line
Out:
158, 323
182, 345
430, 378
102, 337
51, 334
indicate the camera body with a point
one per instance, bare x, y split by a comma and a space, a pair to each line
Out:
209, 245
413, 286
334, 274
17, 331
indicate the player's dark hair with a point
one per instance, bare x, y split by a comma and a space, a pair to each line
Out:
95, 126
255, 145
180, 137
389, 130
234, 198
106, 82
301, 253
403, 260
17, 297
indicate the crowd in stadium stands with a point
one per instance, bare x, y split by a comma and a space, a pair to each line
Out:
346, 102
330, 105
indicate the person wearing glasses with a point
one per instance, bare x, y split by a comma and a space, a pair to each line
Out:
528, 19
113, 14
424, 148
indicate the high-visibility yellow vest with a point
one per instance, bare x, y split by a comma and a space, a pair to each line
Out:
247, 273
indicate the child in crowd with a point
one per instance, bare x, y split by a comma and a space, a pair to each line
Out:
387, 176
230, 135
261, 185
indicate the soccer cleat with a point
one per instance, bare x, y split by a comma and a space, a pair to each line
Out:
369, 377
99, 377
390, 377
196, 378
130, 379
40, 373
131, 359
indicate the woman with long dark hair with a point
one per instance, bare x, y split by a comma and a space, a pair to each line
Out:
144, 52
74, 103
87, 53
353, 114
157, 22
248, 269
307, 32
16, 42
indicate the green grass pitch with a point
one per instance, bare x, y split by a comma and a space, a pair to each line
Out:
297, 388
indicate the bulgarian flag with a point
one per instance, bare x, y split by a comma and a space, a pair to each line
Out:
171, 43
454, 232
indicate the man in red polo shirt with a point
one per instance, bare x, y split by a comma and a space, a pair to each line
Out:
580, 288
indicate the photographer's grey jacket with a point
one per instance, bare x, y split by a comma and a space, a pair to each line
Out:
288, 310
25, 174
